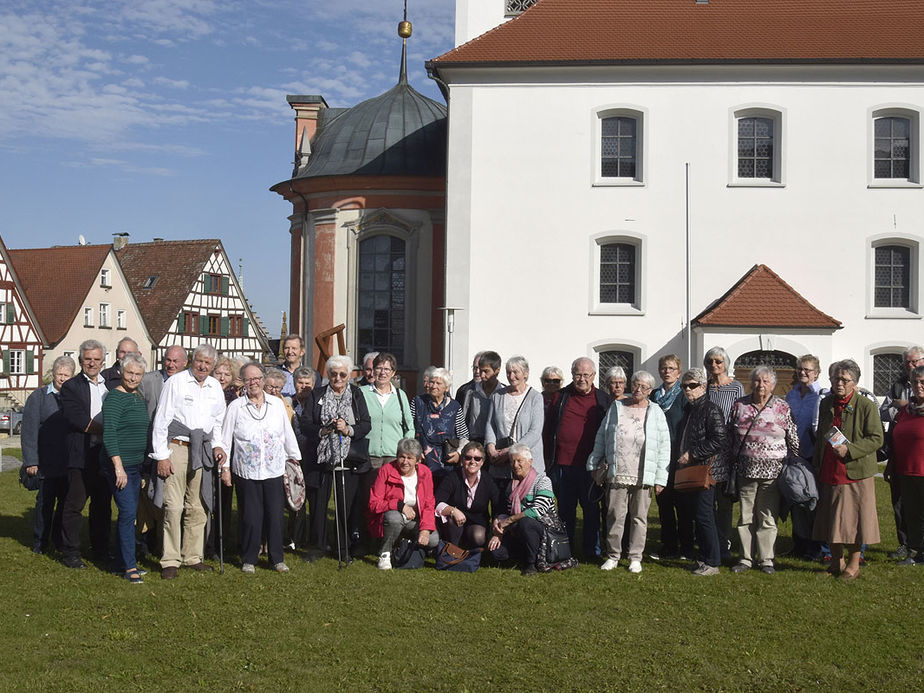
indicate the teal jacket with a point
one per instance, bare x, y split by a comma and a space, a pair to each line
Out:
387, 426
656, 453
863, 428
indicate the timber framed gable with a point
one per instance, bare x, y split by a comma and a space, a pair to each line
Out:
21, 339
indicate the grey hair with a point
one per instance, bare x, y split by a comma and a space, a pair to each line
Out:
127, 339
551, 371
91, 345
646, 377
369, 357
917, 373
341, 360
763, 370
304, 372
442, 374
579, 360
718, 351
410, 446
848, 365
136, 358
697, 375
477, 359
520, 450
253, 364
912, 350
614, 372
428, 371
276, 374
519, 362
207, 350
64, 362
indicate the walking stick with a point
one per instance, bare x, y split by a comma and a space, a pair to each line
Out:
220, 536
342, 469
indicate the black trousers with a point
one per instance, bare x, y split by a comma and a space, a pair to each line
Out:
49, 508
520, 541
82, 484
317, 498
263, 505
676, 522
895, 486
349, 506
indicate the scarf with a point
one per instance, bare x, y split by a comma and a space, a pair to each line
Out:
915, 409
518, 490
666, 398
839, 405
334, 447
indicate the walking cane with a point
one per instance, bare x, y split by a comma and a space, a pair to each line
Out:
342, 469
221, 535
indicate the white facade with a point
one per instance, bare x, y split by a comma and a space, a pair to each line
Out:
525, 194
20, 341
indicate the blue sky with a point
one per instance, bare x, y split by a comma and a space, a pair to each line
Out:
168, 118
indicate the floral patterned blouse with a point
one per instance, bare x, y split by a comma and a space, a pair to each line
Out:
263, 438
771, 438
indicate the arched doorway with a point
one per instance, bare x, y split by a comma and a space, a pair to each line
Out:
783, 363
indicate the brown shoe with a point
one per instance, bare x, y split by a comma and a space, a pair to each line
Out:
168, 573
200, 566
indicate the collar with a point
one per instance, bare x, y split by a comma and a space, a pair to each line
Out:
99, 380
190, 378
372, 389
50, 389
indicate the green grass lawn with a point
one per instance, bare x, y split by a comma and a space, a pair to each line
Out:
318, 629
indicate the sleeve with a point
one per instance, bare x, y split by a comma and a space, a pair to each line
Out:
310, 428
112, 417
490, 435
426, 504
31, 422
166, 407
74, 410
869, 426
378, 503
599, 451
792, 433
663, 460
542, 500
218, 414
461, 427
715, 435
361, 412
413, 409
532, 431
444, 492
226, 437
290, 442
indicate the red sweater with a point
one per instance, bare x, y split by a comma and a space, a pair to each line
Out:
908, 444
387, 493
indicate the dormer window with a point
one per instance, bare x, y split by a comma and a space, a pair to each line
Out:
150, 281
105, 278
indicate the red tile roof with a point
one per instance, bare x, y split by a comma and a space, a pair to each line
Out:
176, 264
762, 299
57, 281
644, 31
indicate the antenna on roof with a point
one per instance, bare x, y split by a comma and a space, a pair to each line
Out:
404, 31
81, 240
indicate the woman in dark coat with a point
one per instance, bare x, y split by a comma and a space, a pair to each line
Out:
466, 500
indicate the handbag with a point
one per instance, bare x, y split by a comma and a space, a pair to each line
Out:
294, 484
694, 477
407, 555
554, 548
731, 486
456, 559
450, 445
31, 483
507, 441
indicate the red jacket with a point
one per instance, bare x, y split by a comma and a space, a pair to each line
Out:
387, 493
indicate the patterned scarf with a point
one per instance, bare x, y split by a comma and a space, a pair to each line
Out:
334, 447
666, 398
519, 488
915, 408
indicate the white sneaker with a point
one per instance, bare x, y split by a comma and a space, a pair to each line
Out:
384, 561
635, 566
281, 568
609, 564
248, 568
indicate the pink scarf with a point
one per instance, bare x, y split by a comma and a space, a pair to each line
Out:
519, 489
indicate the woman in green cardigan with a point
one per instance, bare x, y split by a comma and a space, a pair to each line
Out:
125, 437
849, 434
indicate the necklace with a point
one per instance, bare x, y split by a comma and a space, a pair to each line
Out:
257, 418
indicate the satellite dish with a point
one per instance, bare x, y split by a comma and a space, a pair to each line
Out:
81, 240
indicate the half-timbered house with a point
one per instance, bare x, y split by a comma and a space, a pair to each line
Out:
189, 294
21, 338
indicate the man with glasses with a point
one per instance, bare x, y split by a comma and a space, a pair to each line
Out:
572, 421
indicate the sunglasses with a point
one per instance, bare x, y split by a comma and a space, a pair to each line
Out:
691, 386
472, 457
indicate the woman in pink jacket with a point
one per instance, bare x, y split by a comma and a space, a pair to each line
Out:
401, 502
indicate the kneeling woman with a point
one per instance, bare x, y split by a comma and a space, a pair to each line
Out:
465, 500
530, 499
401, 502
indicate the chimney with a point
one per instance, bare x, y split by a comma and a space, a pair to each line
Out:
307, 107
119, 240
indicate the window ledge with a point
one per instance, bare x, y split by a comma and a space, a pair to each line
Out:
756, 183
105, 327
616, 310
892, 184
618, 183
896, 314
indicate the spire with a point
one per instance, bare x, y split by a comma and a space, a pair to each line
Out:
404, 31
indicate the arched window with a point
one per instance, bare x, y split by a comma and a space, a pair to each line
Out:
617, 273
382, 296
887, 368
895, 140
615, 357
782, 363
757, 146
892, 276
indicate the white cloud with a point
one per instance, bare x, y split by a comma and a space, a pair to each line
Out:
173, 83
137, 60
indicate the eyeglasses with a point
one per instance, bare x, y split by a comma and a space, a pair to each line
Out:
336, 376
473, 458
842, 381
641, 388
384, 369
716, 361
553, 380
806, 370
911, 362
691, 386
668, 368
253, 380
579, 376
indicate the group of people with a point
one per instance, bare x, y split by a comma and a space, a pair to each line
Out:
489, 470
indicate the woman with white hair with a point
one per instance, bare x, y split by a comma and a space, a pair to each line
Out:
614, 382
631, 455
335, 422
763, 433
439, 424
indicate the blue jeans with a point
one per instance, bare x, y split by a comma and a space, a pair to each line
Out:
573, 485
701, 505
126, 500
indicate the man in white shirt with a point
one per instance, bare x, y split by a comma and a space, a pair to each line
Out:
189, 415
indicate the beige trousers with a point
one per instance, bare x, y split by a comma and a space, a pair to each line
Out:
760, 504
621, 502
184, 513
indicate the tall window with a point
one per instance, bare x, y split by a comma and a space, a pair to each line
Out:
755, 148
214, 327
236, 326
887, 368
104, 278
619, 147
88, 316
190, 323
617, 273
120, 319
608, 359
382, 295
3, 313
892, 277
212, 283
104, 315
892, 153
17, 362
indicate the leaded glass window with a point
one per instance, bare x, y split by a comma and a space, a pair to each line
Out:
755, 148
619, 147
608, 359
892, 275
892, 147
515, 7
887, 368
617, 273
382, 296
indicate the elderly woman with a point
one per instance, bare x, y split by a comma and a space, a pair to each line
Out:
907, 464
439, 423
262, 437
335, 422
303, 379
226, 372
44, 453
529, 501
702, 441
551, 380
633, 446
465, 500
849, 434
516, 414
614, 382
401, 502
273, 382
125, 439
762, 433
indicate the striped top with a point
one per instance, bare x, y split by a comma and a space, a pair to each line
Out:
125, 426
537, 503
725, 395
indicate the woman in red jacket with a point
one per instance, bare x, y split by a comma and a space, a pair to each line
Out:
907, 464
401, 502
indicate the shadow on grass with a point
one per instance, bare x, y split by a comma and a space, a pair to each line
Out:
18, 527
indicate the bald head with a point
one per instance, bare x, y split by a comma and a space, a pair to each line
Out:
583, 371
174, 360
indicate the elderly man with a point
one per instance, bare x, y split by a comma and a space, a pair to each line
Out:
189, 416
368, 375
897, 398
476, 377
572, 421
113, 374
152, 384
82, 404
293, 351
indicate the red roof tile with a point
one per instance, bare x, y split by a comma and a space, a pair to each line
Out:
618, 31
176, 264
57, 281
762, 299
